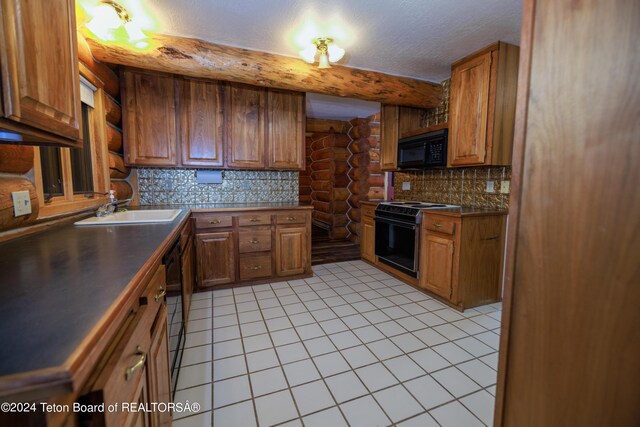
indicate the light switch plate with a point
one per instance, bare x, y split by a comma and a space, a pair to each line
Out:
21, 203
406, 185
505, 187
491, 186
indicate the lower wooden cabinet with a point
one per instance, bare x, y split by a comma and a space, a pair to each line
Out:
368, 231
437, 253
247, 247
136, 371
216, 260
292, 256
159, 371
461, 257
188, 266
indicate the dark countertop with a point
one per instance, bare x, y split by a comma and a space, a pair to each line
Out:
58, 284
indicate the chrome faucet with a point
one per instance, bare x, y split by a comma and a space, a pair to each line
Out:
108, 208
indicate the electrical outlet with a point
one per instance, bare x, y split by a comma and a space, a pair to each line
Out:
491, 187
406, 185
505, 187
21, 203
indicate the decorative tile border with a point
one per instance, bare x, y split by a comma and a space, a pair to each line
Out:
179, 186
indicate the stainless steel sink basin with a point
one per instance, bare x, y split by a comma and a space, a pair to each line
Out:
133, 217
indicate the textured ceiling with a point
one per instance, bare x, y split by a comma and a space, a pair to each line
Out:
414, 38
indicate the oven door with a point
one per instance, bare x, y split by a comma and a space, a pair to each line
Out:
397, 244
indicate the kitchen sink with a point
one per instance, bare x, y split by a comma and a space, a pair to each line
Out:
133, 217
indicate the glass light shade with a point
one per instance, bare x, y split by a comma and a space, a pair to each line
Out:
308, 53
105, 19
324, 61
335, 53
134, 32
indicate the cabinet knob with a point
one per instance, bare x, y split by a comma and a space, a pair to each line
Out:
131, 369
215, 221
254, 241
254, 220
291, 218
255, 267
436, 225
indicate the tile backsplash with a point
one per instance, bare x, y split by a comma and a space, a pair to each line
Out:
178, 186
464, 186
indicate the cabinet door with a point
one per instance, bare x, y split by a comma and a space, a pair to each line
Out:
286, 130
246, 132
158, 371
292, 254
436, 265
39, 65
201, 123
469, 109
215, 259
389, 137
149, 121
367, 239
187, 262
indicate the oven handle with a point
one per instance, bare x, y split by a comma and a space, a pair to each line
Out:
395, 222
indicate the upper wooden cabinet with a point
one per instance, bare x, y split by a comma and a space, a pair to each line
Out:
201, 123
175, 121
149, 119
482, 107
395, 120
246, 130
286, 129
39, 67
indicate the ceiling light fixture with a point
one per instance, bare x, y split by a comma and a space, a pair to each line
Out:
109, 17
325, 49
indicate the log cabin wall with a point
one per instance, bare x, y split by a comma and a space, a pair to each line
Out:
326, 177
119, 174
17, 161
459, 186
367, 180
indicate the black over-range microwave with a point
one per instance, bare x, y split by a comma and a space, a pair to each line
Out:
423, 151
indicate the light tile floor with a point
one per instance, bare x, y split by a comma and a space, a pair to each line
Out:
349, 346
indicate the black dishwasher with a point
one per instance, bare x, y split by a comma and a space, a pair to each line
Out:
175, 318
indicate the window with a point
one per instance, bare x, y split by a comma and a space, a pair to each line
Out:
72, 179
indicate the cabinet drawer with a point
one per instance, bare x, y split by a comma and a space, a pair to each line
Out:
368, 210
124, 372
255, 266
439, 224
292, 218
153, 295
253, 240
253, 219
213, 221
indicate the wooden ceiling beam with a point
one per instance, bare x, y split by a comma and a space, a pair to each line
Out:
200, 59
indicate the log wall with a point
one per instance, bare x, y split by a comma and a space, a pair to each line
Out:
367, 180
325, 180
17, 161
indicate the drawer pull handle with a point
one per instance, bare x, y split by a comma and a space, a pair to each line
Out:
255, 267
160, 294
215, 221
131, 369
490, 238
436, 225
254, 241
291, 218
254, 220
